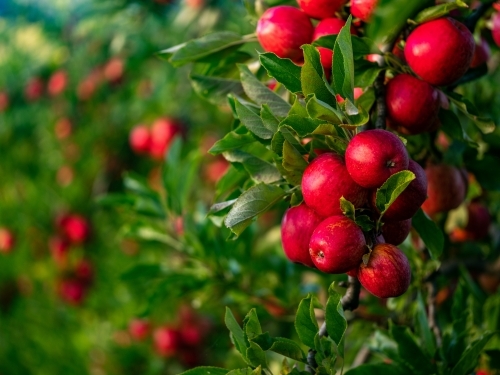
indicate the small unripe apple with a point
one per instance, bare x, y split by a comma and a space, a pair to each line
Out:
387, 273
7, 240
75, 228
72, 291
321, 9
139, 329
482, 54
363, 9
57, 83
34, 89
59, 249
478, 224
166, 341
163, 132
140, 139
296, 230
446, 189
412, 103
283, 30
395, 232
372, 156
328, 26
495, 31
410, 200
337, 245
440, 51
325, 181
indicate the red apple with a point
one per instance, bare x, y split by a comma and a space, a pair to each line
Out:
57, 83
410, 200
72, 290
4, 101
84, 271
412, 103
482, 54
113, 70
59, 249
387, 273
166, 341
373, 156
495, 31
163, 133
395, 232
283, 30
216, 169
328, 26
7, 240
34, 89
478, 224
296, 230
63, 128
321, 9
363, 9
190, 335
75, 228
337, 245
446, 189
440, 51
140, 139
325, 181
139, 329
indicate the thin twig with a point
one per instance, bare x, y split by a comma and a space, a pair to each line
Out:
431, 312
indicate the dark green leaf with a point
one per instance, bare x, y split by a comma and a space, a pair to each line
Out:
259, 170
377, 369
252, 120
470, 357
451, 125
251, 325
336, 143
242, 371
365, 73
256, 356
364, 222
347, 208
217, 207
343, 64
391, 189
293, 162
318, 109
268, 119
429, 232
305, 322
486, 125
288, 348
336, 324
302, 125
206, 370
215, 89
283, 70
253, 202
312, 76
424, 330
438, 11
236, 333
231, 141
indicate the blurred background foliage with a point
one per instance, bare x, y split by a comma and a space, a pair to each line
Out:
154, 255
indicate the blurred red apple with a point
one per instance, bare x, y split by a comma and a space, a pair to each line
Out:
163, 132
140, 139
166, 341
34, 89
113, 70
4, 101
75, 228
57, 83
7, 240
139, 329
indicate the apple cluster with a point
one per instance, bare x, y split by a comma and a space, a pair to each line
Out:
182, 339
156, 140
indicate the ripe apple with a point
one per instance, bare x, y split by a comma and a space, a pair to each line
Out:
7, 240
321, 9
440, 51
63, 128
59, 249
363, 9
84, 271
412, 103
495, 31
113, 70
190, 335
215, 169
140, 139
410, 200
283, 30
387, 273
34, 89
139, 329
373, 156
72, 290
325, 181
478, 224
75, 228
4, 101
395, 232
446, 189
57, 83
296, 230
328, 26
337, 245
166, 341
482, 54
163, 132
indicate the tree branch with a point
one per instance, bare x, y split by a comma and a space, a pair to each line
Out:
473, 18
379, 87
350, 301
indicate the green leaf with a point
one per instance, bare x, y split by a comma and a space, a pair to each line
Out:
199, 48
283, 70
429, 232
426, 335
305, 321
365, 72
336, 143
451, 125
302, 125
318, 109
261, 94
217, 207
251, 325
347, 208
259, 170
236, 333
343, 63
268, 119
364, 222
253, 202
288, 348
139, 185
391, 189
298, 107
377, 369
293, 162
312, 76
215, 89
361, 46
410, 352
336, 323
470, 357
438, 11
252, 120
242, 371
256, 356
486, 125
206, 370
231, 141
